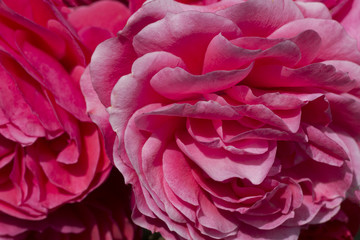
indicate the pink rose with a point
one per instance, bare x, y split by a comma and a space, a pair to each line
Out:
236, 120
101, 215
50, 151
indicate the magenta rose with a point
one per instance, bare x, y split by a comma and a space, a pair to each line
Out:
235, 120
50, 151
103, 214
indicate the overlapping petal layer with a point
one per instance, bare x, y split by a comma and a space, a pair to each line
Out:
234, 120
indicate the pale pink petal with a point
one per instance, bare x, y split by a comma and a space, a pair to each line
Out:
222, 54
176, 83
273, 100
335, 41
257, 18
177, 173
313, 10
210, 217
97, 111
187, 40
105, 71
323, 147
136, 86
221, 165
311, 76
351, 20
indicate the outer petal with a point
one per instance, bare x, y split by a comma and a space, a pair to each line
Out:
105, 71
187, 40
256, 17
351, 20
109, 15
336, 43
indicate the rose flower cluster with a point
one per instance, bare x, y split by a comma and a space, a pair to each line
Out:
227, 119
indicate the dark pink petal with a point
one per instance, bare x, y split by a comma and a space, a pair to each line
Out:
247, 232
134, 5
16, 111
49, 41
33, 93
75, 178
177, 173
93, 36
74, 54
109, 15
55, 79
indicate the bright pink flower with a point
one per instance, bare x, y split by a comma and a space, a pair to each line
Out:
236, 120
101, 215
50, 151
